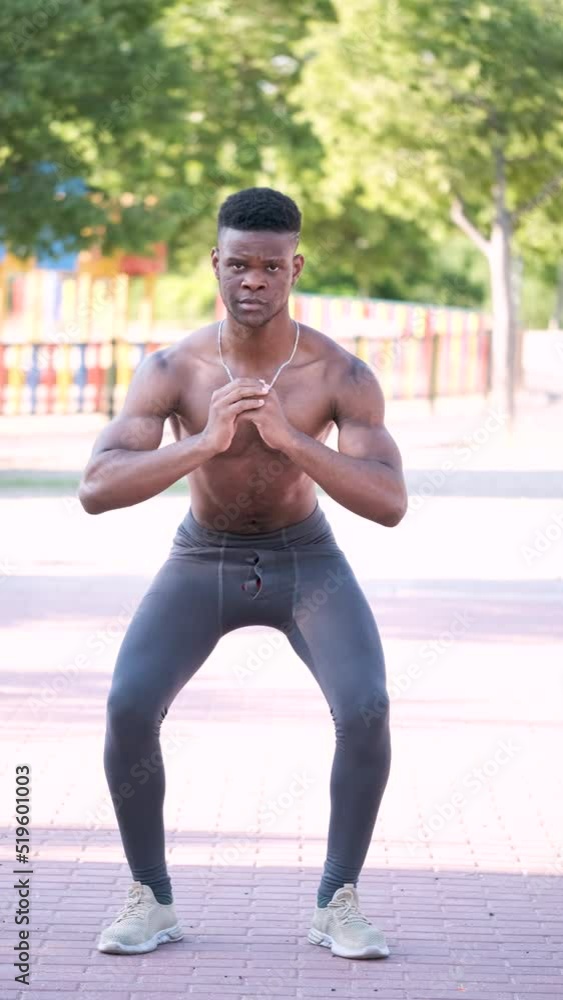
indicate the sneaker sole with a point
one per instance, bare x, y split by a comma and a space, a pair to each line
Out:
325, 941
169, 934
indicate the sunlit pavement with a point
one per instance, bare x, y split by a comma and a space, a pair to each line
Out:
467, 432
464, 871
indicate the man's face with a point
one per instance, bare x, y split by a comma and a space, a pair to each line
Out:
256, 272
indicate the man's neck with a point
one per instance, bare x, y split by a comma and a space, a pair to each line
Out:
262, 345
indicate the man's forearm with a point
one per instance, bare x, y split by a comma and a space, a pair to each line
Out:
122, 478
364, 486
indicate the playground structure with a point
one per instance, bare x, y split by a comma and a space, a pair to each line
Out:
69, 344
79, 297
54, 310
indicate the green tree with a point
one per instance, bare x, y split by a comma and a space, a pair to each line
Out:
356, 251
88, 91
446, 111
159, 106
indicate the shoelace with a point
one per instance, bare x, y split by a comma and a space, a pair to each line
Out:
350, 914
136, 906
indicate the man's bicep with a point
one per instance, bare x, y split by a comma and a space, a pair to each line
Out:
362, 440
150, 400
360, 414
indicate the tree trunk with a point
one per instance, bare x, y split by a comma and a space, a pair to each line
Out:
517, 285
502, 293
558, 318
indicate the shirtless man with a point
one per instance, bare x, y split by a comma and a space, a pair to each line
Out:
254, 549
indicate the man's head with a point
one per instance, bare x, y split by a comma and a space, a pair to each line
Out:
255, 259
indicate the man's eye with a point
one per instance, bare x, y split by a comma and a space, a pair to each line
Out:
237, 266
273, 267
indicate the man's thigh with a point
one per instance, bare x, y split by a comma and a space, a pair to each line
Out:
172, 632
335, 632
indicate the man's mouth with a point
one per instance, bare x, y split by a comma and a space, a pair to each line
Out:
251, 303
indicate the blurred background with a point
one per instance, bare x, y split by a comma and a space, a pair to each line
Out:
424, 149
423, 143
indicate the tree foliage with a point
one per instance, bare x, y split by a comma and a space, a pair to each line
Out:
157, 105
422, 96
377, 115
447, 112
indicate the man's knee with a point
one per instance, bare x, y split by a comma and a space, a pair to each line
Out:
127, 713
374, 710
363, 727
363, 718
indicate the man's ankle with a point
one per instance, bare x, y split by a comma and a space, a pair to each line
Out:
165, 898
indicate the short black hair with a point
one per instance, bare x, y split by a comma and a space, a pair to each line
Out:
258, 208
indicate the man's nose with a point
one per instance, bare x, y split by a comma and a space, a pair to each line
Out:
253, 280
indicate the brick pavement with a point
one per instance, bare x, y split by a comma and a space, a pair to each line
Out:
464, 872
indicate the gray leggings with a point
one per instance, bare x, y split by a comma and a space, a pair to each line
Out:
296, 580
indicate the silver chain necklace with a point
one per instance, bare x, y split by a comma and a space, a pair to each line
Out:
289, 360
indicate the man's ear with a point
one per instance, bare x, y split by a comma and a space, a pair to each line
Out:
297, 275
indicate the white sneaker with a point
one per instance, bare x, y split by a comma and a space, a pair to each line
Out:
341, 927
141, 925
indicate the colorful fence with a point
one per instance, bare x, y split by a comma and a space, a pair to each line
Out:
88, 378
416, 351
67, 378
85, 293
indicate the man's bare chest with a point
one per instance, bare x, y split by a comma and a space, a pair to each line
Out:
307, 406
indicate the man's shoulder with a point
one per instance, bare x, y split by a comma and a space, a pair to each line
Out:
343, 364
186, 350
324, 347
